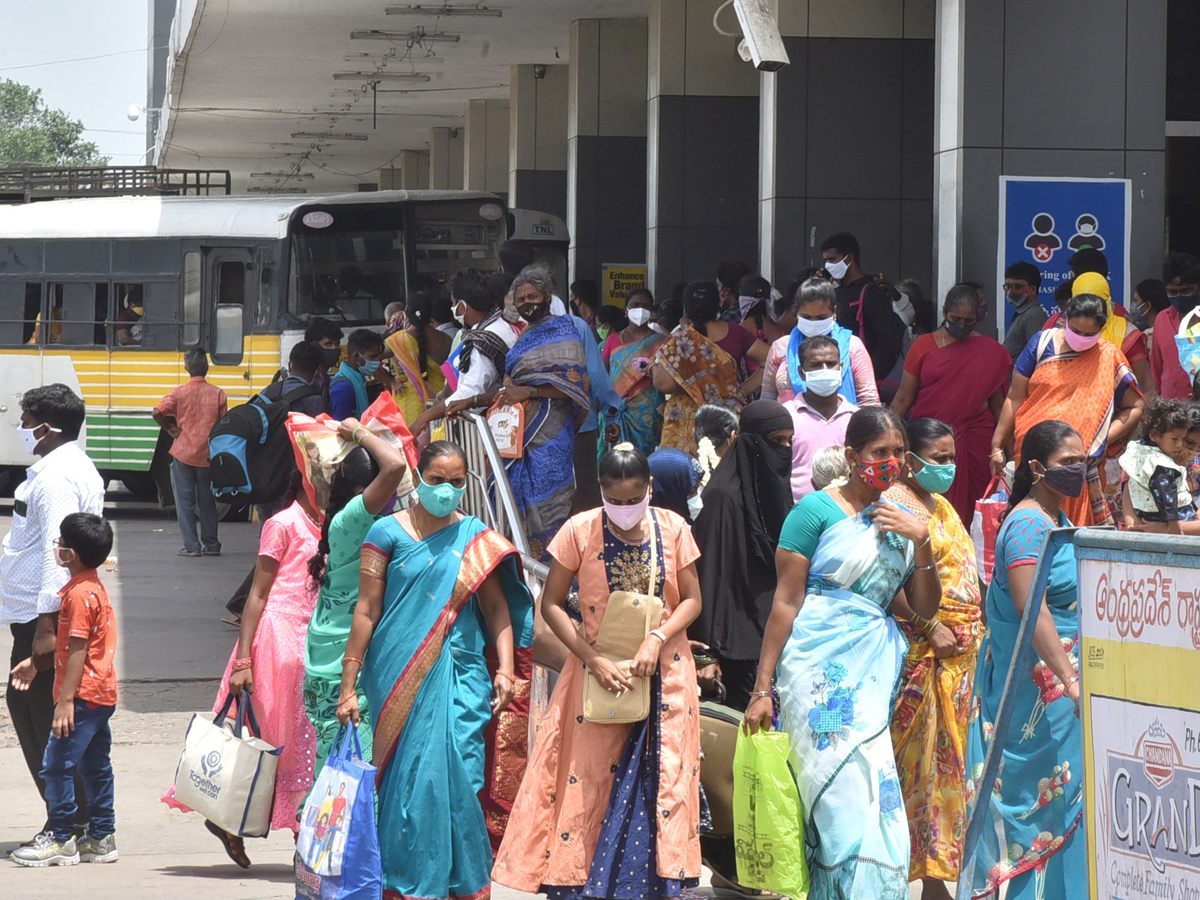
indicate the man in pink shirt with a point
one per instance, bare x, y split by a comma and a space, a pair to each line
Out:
820, 413
1181, 273
195, 406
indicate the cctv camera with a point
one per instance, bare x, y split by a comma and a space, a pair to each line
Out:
134, 112
763, 44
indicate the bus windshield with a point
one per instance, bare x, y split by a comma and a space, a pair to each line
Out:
349, 262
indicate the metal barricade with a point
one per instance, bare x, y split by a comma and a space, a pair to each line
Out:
1018, 669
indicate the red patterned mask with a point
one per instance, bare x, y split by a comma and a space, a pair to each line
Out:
882, 473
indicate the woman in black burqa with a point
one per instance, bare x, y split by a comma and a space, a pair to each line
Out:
745, 503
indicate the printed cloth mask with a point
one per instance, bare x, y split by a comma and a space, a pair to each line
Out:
837, 270
959, 330
1080, 342
626, 516
813, 327
824, 382
639, 316
439, 500
935, 478
1015, 298
880, 474
1067, 480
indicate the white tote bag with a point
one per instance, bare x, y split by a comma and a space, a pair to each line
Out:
227, 773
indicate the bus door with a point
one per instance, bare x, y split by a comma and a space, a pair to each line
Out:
228, 288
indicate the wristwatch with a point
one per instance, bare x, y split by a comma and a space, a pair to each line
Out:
533, 392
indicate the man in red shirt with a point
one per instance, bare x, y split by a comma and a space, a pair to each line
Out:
195, 405
1181, 273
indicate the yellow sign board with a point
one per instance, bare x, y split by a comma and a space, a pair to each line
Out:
1140, 662
618, 279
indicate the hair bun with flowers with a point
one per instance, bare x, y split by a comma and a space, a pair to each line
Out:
624, 447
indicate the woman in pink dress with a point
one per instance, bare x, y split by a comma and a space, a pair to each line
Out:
608, 811
269, 658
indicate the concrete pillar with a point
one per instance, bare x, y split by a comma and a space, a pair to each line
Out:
702, 145
485, 147
537, 135
413, 174
446, 159
847, 137
606, 140
996, 65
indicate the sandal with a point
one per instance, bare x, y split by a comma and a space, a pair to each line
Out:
235, 848
721, 883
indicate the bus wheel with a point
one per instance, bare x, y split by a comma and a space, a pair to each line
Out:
143, 485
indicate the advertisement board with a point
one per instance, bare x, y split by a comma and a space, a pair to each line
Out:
1139, 604
1044, 221
618, 279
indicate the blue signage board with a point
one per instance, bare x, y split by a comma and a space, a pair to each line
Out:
1044, 221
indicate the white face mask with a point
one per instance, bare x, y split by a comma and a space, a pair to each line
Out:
837, 270
695, 504
639, 316
813, 327
824, 382
459, 317
29, 436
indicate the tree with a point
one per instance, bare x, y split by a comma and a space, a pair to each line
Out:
33, 134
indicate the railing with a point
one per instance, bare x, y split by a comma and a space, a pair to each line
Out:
1018, 670
29, 183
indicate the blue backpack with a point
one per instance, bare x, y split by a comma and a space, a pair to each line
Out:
250, 454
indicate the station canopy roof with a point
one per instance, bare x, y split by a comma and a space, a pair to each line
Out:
247, 76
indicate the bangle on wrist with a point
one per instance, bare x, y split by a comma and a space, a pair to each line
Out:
1067, 686
762, 694
352, 659
240, 665
658, 633
354, 435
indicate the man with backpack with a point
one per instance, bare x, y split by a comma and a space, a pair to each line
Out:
195, 406
304, 362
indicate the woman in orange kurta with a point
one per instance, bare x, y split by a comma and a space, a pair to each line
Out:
613, 810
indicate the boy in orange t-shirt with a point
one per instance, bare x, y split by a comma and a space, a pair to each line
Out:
85, 694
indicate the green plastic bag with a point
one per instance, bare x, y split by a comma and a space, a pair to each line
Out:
767, 820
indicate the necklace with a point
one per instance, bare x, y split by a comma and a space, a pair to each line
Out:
1046, 510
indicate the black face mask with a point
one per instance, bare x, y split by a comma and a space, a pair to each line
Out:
1186, 303
959, 330
333, 356
1067, 480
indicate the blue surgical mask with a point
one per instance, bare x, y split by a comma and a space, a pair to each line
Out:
368, 368
934, 478
824, 382
439, 500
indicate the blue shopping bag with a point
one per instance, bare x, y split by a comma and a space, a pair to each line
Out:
337, 850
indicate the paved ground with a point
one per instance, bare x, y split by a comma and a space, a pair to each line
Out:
173, 648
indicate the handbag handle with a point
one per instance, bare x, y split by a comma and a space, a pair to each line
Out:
223, 713
343, 740
247, 721
991, 488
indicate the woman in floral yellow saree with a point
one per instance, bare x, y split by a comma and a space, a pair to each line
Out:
929, 723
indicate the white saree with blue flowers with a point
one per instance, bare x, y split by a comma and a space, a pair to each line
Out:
837, 679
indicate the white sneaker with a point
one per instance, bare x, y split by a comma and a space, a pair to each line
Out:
46, 850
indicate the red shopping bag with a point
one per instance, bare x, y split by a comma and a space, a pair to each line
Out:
985, 526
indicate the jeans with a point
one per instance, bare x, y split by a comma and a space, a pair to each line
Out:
86, 751
32, 713
193, 491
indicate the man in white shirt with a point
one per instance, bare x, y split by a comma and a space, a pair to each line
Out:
62, 482
486, 339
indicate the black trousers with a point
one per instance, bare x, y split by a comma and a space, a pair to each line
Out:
587, 488
32, 714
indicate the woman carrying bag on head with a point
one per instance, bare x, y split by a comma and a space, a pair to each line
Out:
612, 810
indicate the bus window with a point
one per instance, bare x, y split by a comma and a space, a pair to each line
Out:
129, 328
73, 313
53, 334
350, 267
20, 304
231, 297
452, 236
190, 336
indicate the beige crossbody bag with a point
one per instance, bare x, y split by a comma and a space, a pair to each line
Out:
628, 619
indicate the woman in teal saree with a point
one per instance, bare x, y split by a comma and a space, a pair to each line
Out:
844, 556
436, 587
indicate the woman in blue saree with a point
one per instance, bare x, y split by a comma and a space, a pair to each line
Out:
1032, 840
629, 364
844, 556
546, 370
435, 588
